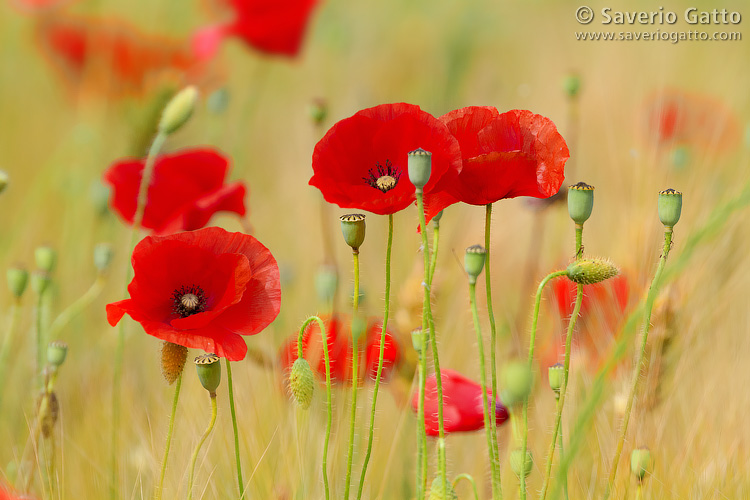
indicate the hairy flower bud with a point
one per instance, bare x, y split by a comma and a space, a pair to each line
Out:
302, 382
178, 110
518, 465
437, 490
590, 271
173, 359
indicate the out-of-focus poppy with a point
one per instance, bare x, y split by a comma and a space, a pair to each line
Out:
186, 189
202, 289
462, 404
361, 162
338, 333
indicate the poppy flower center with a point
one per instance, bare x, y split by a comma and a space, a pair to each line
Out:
383, 178
188, 300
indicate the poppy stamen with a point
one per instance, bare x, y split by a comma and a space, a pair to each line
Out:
188, 300
383, 178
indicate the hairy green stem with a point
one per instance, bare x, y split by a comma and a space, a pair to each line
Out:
435, 241
170, 430
209, 429
238, 463
355, 379
470, 479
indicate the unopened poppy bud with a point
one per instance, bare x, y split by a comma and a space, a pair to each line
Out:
572, 84
580, 202
417, 337
102, 256
17, 280
57, 351
218, 101
178, 110
209, 371
318, 110
359, 326
641, 463
420, 167
302, 382
326, 282
590, 271
353, 229
474, 261
519, 465
4, 179
437, 490
45, 258
556, 374
40, 281
670, 207
173, 357
517, 381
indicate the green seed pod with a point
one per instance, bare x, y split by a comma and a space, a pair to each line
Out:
437, 490
416, 339
326, 282
218, 101
178, 110
474, 262
103, 256
420, 167
4, 179
56, 353
590, 271
436, 219
359, 327
45, 258
517, 380
580, 202
520, 466
318, 110
173, 357
353, 229
302, 382
17, 280
555, 374
208, 367
572, 85
670, 207
641, 463
40, 281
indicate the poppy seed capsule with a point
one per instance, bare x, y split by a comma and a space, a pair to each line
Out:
590, 271
173, 357
353, 229
45, 258
474, 261
641, 463
520, 466
416, 339
178, 110
436, 219
517, 380
17, 280
580, 202
670, 207
555, 374
56, 353
437, 490
102, 256
302, 382
209, 371
420, 167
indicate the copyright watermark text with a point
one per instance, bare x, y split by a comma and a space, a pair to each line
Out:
691, 15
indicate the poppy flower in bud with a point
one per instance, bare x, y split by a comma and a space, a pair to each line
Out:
187, 188
202, 289
338, 331
463, 409
361, 162
517, 153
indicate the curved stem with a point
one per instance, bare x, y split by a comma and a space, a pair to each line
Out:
232, 411
652, 292
160, 487
194, 459
77, 307
384, 326
467, 477
482, 378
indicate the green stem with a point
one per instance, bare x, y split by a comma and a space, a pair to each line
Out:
421, 428
8, 342
214, 411
495, 464
240, 482
427, 315
639, 491
382, 352
467, 477
482, 377
142, 199
39, 338
170, 430
355, 379
579, 241
435, 241
652, 293
77, 307
562, 453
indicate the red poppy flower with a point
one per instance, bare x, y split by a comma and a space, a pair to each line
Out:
37, 6
112, 57
338, 333
270, 26
362, 161
202, 289
517, 153
462, 404
8, 495
186, 189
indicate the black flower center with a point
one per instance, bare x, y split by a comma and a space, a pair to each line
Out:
188, 300
383, 178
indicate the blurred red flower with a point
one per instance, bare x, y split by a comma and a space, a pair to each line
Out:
202, 289
362, 161
463, 406
517, 153
186, 189
111, 56
270, 26
338, 333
